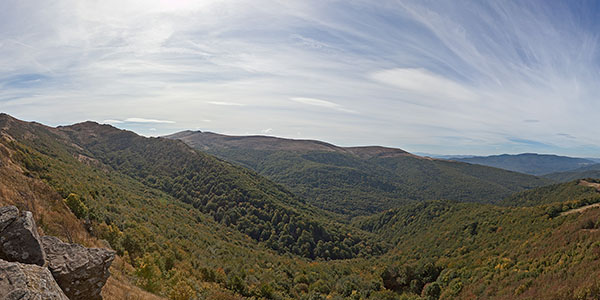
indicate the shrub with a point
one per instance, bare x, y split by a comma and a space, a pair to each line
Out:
75, 204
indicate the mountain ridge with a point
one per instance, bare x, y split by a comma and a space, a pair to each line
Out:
529, 163
591, 171
360, 180
272, 143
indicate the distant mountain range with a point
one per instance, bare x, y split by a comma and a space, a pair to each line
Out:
529, 163
360, 180
591, 171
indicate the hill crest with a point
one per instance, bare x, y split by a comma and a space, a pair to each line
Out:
529, 163
210, 140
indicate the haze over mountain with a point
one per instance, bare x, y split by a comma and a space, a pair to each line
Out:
529, 163
360, 180
592, 171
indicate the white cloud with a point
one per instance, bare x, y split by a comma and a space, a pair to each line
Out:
221, 103
143, 120
112, 122
321, 103
316, 102
423, 82
475, 70
137, 120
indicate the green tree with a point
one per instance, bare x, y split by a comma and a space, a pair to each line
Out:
148, 273
75, 204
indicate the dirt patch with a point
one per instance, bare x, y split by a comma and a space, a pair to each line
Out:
584, 208
581, 209
590, 184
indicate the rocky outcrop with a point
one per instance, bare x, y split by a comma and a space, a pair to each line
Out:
73, 271
7, 215
80, 272
27, 282
19, 241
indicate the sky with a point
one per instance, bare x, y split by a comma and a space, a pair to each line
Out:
444, 77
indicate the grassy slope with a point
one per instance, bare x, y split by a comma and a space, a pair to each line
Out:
352, 182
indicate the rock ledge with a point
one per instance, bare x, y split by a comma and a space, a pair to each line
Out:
73, 272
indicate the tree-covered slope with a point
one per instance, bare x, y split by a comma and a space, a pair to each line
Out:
529, 163
179, 246
592, 171
578, 191
481, 251
360, 180
232, 195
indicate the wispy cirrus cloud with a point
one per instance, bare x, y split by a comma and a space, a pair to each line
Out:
222, 103
399, 73
424, 83
138, 120
321, 103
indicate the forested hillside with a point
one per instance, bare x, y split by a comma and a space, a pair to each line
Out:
475, 251
578, 191
360, 180
173, 241
592, 171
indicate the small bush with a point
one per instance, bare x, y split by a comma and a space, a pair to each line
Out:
75, 204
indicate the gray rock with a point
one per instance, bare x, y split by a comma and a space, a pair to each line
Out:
20, 242
27, 282
80, 272
7, 215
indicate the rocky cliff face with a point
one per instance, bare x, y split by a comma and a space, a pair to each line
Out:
81, 272
46, 268
20, 242
24, 281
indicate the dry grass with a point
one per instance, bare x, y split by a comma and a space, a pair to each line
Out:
590, 184
54, 218
119, 290
119, 287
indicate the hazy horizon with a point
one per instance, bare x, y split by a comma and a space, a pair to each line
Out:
434, 155
424, 76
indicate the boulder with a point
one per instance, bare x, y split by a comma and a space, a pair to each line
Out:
20, 242
27, 282
7, 215
80, 272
